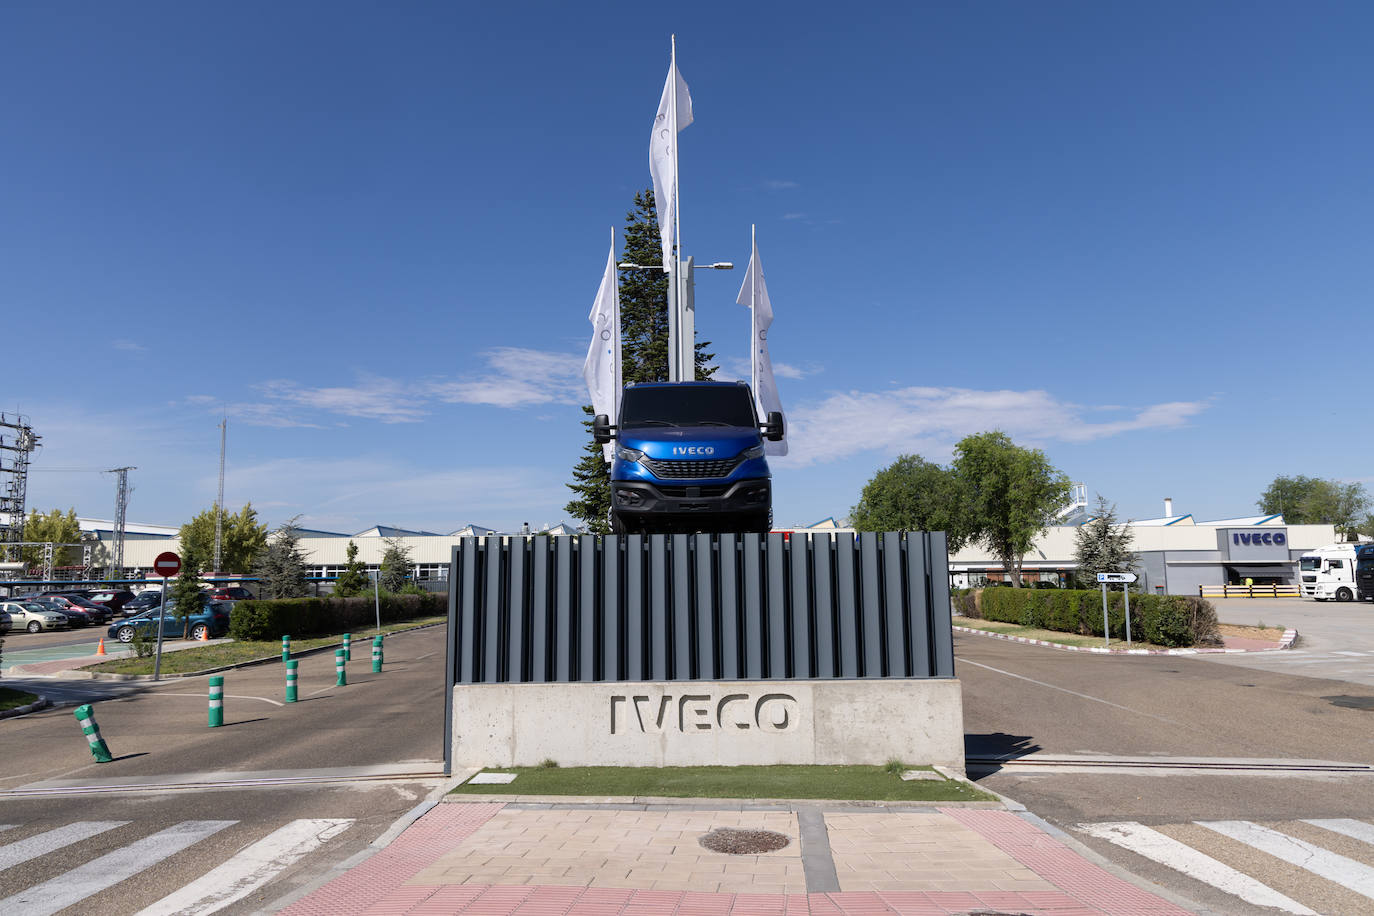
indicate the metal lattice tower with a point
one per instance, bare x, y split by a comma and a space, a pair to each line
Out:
121, 507
17, 442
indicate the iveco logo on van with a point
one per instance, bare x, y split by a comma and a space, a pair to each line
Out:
1277, 538
694, 450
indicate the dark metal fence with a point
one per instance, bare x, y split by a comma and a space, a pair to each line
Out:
702, 606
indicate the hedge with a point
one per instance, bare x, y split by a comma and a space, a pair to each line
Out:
270, 620
1165, 620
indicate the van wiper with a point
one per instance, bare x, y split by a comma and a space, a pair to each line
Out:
635, 423
712, 423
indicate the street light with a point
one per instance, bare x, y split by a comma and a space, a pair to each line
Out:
682, 310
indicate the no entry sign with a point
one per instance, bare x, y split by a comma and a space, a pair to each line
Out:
167, 564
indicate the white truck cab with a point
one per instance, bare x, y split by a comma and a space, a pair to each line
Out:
1329, 573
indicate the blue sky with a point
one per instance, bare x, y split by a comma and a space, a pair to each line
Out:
1136, 237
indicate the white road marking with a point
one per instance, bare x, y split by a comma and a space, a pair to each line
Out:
8, 826
1084, 696
1355, 876
1348, 652
1348, 826
108, 870
1180, 857
250, 869
227, 696
43, 843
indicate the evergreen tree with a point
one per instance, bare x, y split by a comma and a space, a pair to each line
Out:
643, 354
395, 566
280, 566
185, 589
1102, 545
354, 579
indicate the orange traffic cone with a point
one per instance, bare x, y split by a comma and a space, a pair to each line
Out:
205, 635
100, 648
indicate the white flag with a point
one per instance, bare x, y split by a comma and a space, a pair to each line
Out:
601, 370
663, 153
753, 294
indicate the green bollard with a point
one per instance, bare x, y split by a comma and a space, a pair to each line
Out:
291, 667
285, 648
348, 647
339, 668
86, 716
377, 655
216, 701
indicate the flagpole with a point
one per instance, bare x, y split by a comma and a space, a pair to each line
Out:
753, 311
615, 339
676, 276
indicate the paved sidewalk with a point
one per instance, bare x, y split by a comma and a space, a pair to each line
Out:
602, 859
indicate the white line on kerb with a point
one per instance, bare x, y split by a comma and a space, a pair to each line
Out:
43, 843
1355, 876
250, 869
1180, 857
1348, 826
108, 870
1083, 696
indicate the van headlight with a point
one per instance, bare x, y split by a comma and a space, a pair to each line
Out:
628, 454
755, 452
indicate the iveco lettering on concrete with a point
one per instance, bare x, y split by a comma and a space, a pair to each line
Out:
1277, 538
689, 457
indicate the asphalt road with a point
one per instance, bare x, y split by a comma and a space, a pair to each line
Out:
1034, 703
1335, 639
364, 751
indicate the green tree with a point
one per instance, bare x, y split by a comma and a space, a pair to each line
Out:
396, 565
280, 566
1315, 501
643, 354
1008, 495
185, 588
52, 528
911, 494
354, 579
1102, 545
242, 538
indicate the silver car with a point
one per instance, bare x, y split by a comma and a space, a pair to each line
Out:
34, 617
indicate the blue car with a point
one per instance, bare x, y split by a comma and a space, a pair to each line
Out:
211, 617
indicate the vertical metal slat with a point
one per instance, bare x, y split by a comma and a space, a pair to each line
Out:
918, 607
799, 604
518, 639
823, 603
706, 557
491, 617
731, 633
939, 619
776, 558
469, 671
612, 665
587, 615
752, 607
847, 606
681, 608
636, 611
541, 622
658, 607
870, 598
563, 597
894, 624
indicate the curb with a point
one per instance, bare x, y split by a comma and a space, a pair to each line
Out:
1290, 636
77, 673
41, 703
696, 802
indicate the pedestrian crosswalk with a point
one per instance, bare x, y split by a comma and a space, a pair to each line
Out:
231, 880
1283, 866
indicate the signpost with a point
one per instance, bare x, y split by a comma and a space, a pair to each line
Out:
166, 565
1125, 579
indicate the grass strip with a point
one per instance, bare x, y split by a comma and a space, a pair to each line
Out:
866, 783
13, 699
186, 661
1054, 636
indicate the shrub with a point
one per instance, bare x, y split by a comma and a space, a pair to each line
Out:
1165, 620
273, 619
964, 602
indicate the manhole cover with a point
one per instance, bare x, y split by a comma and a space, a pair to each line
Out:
743, 842
1349, 702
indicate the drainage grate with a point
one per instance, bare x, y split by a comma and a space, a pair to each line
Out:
743, 842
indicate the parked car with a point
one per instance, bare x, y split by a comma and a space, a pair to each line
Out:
230, 593
74, 614
212, 616
34, 617
144, 600
112, 598
6, 622
98, 613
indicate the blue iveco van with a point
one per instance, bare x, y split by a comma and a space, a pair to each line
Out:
689, 457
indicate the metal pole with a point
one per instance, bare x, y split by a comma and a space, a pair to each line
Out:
161, 615
1126, 597
377, 597
683, 375
1106, 626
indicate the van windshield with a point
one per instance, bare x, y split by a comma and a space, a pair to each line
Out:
688, 405
1310, 564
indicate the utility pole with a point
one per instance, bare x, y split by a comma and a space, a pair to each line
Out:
14, 477
121, 509
219, 502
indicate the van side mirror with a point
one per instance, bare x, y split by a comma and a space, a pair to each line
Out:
601, 429
775, 428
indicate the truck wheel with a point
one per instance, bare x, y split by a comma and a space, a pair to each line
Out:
1344, 594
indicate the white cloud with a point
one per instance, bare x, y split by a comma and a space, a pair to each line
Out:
129, 345
512, 377
930, 420
794, 216
736, 367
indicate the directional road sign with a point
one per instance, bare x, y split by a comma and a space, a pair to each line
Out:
1116, 577
167, 564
